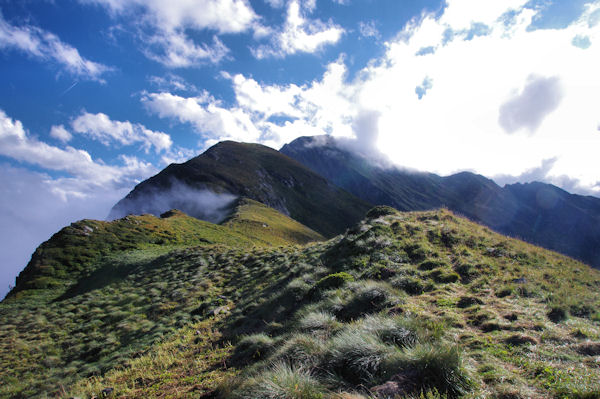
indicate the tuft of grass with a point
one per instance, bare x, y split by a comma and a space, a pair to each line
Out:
557, 313
434, 366
281, 381
252, 348
319, 322
356, 356
395, 330
334, 280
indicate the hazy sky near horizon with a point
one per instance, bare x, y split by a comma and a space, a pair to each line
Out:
98, 95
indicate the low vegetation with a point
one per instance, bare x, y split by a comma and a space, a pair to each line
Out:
403, 305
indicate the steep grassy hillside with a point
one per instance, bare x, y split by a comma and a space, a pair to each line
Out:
539, 213
98, 293
263, 224
253, 171
402, 305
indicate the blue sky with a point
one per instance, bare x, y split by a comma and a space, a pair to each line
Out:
98, 95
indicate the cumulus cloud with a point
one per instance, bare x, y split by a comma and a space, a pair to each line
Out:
100, 127
529, 108
270, 114
17, 144
205, 114
46, 46
163, 26
175, 50
299, 34
60, 133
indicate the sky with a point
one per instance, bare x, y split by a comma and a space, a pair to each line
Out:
98, 95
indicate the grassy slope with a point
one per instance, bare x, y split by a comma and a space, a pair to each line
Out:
437, 303
97, 293
264, 224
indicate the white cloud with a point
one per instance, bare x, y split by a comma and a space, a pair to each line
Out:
172, 82
33, 206
460, 121
60, 133
15, 143
163, 25
176, 50
269, 114
100, 127
46, 46
300, 34
205, 114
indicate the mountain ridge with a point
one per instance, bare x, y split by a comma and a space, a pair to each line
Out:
536, 212
259, 173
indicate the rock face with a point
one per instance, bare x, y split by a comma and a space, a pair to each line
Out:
540, 213
205, 186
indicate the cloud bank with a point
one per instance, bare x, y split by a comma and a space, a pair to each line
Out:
199, 203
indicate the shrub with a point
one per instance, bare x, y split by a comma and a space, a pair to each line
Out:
252, 348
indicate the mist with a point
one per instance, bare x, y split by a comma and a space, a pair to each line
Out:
202, 204
33, 207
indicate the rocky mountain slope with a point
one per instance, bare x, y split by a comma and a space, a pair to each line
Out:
249, 170
539, 213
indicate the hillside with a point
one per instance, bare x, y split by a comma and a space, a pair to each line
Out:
55, 325
260, 173
539, 213
401, 304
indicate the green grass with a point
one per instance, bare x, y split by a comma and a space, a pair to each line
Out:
242, 319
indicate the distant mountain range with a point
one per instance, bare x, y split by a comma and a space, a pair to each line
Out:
539, 213
324, 185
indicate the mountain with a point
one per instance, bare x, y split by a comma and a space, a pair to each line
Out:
212, 180
539, 213
419, 304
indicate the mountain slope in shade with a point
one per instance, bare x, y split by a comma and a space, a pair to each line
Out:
542, 214
230, 169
